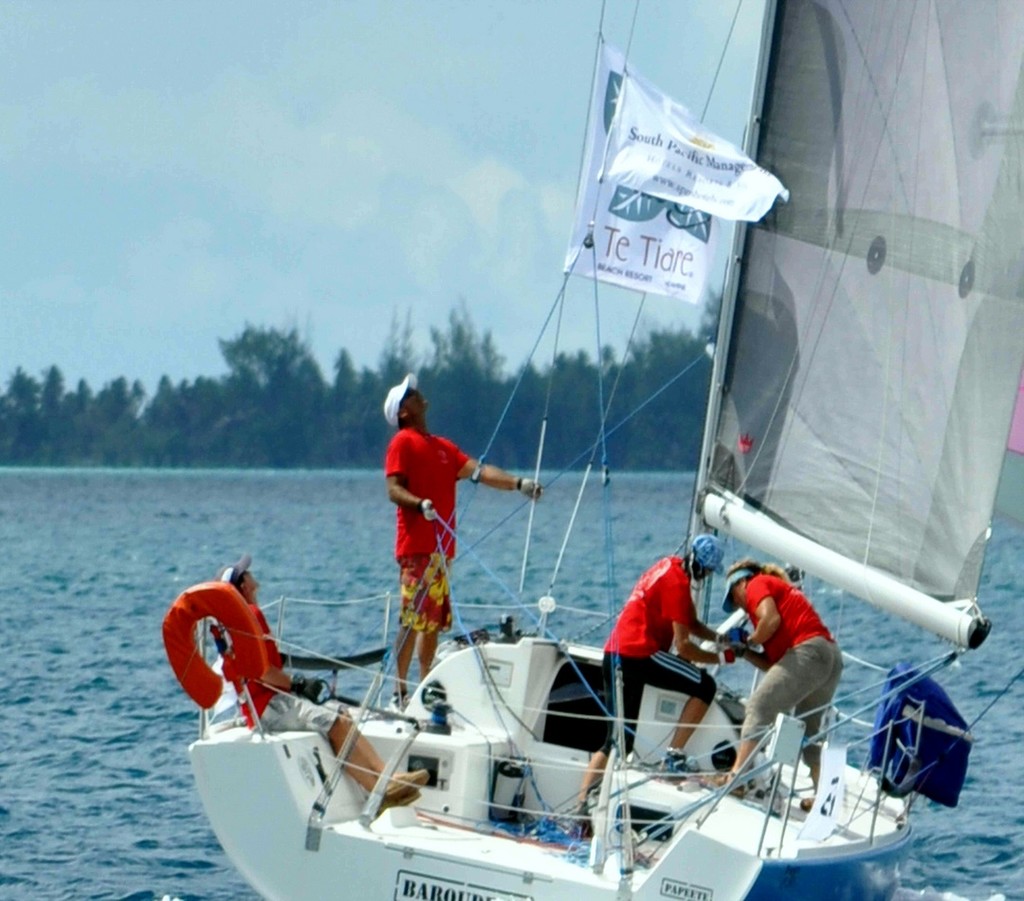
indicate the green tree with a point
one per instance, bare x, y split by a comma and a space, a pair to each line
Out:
21, 423
276, 396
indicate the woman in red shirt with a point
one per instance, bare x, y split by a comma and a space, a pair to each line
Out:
801, 660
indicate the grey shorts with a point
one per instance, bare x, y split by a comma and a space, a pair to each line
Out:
290, 713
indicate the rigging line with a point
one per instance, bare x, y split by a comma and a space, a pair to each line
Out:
599, 43
721, 59
498, 702
558, 304
633, 413
995, 700
589, 450
515, 601
632, 28
545, 416
492, 688
603, 416
586, 477
606, 494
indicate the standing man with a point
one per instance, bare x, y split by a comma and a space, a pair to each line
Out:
421, 471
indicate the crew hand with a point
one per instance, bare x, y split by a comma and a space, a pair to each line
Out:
311, 689
427, 509
737, 635
530, 487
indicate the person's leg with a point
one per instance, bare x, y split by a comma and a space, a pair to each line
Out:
594, 771
743, 753
674, 673
413, 587
780, 689
363, 763
599, 759
405, 642
426, 648
693, 712
821, 664
434, 611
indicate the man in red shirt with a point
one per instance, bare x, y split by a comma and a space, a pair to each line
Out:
284, 703
422, 470
801, 660
658, 616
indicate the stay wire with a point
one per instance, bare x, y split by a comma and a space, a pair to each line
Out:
557, 305
545, 417
721, 60
589, 450
999, 696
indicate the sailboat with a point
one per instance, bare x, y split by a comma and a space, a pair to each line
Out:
865, 371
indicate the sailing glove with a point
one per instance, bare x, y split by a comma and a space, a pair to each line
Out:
531, 488
311, 689
427, 509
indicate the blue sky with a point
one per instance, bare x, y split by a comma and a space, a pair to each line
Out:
173, 171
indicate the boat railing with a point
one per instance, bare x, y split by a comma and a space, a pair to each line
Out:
767, 766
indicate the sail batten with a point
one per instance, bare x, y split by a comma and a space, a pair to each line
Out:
875, 350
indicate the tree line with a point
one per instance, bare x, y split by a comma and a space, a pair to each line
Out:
274, 408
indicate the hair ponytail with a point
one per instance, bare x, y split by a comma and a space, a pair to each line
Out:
771, 569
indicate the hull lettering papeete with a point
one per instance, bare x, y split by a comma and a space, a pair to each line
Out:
684, 891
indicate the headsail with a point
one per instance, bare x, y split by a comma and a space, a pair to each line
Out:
876, 340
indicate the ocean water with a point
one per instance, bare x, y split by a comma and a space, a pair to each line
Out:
96, 794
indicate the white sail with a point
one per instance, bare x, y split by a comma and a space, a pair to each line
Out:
876, 340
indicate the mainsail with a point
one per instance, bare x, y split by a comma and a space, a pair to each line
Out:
875, 346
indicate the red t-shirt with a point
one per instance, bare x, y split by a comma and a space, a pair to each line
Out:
800, 621
429, 466
261, 694
660, 598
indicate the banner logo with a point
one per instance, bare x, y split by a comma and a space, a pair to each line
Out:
630, 237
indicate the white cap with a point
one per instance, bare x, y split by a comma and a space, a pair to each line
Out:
233, 573
395, 397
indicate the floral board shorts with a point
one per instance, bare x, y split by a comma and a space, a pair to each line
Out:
426, 603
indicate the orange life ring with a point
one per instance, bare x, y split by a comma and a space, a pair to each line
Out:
247, 658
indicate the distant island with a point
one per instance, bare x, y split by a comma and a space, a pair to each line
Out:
274, 408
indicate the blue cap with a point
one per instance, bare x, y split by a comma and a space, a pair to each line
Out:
739, 575
707, 551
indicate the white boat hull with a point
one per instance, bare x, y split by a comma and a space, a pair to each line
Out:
260, 791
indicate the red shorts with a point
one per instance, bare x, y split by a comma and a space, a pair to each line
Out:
426, 602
